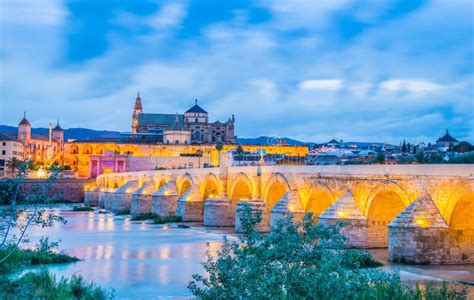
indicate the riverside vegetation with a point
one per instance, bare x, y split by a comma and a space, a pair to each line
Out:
17, 283
302, 260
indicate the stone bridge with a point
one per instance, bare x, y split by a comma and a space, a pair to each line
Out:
423, 213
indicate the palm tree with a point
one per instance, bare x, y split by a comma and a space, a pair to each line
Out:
239, 152
14, 164
219, 147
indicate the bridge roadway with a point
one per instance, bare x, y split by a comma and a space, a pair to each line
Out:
423, 213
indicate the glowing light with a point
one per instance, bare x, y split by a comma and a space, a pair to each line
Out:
291, 208
341, 214
422, 222
41, 173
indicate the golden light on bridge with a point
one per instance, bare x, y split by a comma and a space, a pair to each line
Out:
342, 214
422, 222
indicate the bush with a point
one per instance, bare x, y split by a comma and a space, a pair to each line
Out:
144, 216
44, 285
82, 208
44, 253
299, 260
163, 220
125, 211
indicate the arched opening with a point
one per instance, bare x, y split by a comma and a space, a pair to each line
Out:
275, 192
73, 149
241, 192
100, 149
462, 221
210, 190
87, 149
385, 206
184, 187
319, 200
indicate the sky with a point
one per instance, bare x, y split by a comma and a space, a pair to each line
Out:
310, 70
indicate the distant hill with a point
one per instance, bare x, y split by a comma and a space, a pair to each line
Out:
270, 140
85, 133
71, 133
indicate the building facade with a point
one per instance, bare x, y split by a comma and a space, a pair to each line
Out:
195, 120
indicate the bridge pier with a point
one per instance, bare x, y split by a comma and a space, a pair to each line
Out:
91, 196
165, 200
123, 196
141, 199
218, 212
420, 235
105, 198
346, 210
255, 206
190, 205
288, 204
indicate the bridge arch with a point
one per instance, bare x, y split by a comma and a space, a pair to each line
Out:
384, 204
211, 186
275, 189
184, 182
320, 198
241, 190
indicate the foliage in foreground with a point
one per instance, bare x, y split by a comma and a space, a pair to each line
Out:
300, 260
43, 285
144, 216
122, 212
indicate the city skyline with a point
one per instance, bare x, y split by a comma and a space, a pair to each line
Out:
379, 72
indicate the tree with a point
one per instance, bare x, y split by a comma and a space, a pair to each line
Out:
32, 212
420, 157
463, 147
13, 164
380, 158
298, 260
219, 146
404, 147
239, 152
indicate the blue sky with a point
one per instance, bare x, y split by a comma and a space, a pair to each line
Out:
311, 70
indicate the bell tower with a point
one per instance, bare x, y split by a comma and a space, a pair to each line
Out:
136, 110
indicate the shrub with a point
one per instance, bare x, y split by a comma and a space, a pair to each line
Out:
43, 285
44, 253
144, 216
163, 220
299, 260
125, 211
82, 208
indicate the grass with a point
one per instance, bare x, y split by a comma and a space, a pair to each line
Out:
43, 254
122, 212
163, 220
82, 208
44, 285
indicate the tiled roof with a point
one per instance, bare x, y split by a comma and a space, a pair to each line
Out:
159, 119
196, 109
447, 138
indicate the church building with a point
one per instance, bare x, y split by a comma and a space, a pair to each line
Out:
192, 127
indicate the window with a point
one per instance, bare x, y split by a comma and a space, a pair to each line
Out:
196, 120
4, 143
4, 152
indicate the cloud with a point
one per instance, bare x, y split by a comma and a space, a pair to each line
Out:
169, 16
321, 84
37, 13
411, 85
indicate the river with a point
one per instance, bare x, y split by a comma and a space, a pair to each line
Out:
143, 260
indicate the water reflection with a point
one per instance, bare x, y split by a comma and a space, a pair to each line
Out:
137, 259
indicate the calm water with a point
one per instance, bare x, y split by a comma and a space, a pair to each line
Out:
137, 259
143, 260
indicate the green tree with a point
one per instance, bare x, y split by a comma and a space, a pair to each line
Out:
239, 152
299, 260
13, 164
219, 146
380, 158
404, 147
